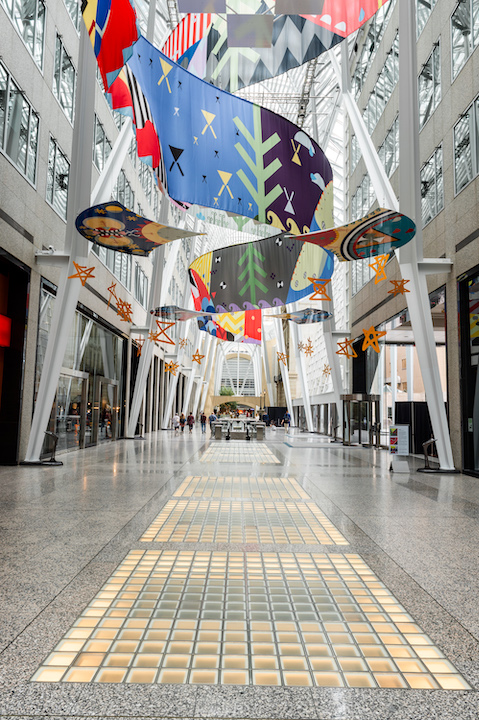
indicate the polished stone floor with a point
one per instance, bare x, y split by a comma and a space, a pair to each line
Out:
184, 577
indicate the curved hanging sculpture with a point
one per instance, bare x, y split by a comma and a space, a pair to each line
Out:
234, 49
115, 227
378, 233
304, 317
223, 152
261, 274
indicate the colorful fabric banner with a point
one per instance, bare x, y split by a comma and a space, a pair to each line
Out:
113, 30
378, 233
295, 40
265, 273
113, 226
223, 152
244, 326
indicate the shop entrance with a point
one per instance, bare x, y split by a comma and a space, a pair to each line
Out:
104, 415
68, 418
361, 420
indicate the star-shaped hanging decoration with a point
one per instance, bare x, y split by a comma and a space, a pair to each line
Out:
399, 287
371, 338
171, 367
326, 370
82, 272
346, 348
183, 342
282, 357
112, 291
162, 336
301, 346
378, 266
154, 337
140, 342
319, 288
124, 310
308, 350
197, 357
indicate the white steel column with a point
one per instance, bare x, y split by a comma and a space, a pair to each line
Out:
411, 262
267, 369
410, 256
278, 328
393, 355
76, 247
410, 372
211, 357
189, 388
204, 350
301, 368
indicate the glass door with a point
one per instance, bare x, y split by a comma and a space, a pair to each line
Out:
68, 418
105, 410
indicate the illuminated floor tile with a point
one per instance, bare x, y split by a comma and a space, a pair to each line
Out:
243, 521
248, 618
242, 452
264, 488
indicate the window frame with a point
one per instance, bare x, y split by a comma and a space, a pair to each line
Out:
51, 202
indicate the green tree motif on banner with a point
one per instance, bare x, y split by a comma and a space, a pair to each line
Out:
240, 221
250, 256
260, 172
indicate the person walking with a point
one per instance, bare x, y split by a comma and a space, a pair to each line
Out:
176, 423
286, 420
203, 422
191, 421
182, 422
212, 419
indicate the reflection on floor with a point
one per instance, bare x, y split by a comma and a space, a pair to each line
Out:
266, 488
245, 618
240, 452
243, 521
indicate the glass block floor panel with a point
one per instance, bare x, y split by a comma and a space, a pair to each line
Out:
308, 619
242, 521
240, 452
263, 488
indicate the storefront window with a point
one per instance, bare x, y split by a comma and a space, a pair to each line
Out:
469, 315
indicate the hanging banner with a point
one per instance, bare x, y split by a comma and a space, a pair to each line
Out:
224, 152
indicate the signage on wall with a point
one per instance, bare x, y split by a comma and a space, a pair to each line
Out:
399, 439
5, 331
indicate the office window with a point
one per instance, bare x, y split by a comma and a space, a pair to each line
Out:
377, 26
18, 126
123, 191
423, 9
362, 199
57, 179
141, 286
355, 152
64, 79
429, 86
29, 19
383, 88
118, 263
432, 187
389, 151
464, 32
466, 147
102, 146
73, 7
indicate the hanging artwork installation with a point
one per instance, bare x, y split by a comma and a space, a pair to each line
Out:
399, 287
115, 227
224, 152
112, 291
304, 317
371, 338
124, 310
379, 267
378, 233
234, 49
171, 367
261, 274
282, 357
197, 357
183, 342
308, 349
162, 335
113, 30
139, 342
346, 348
83, 273
326, 370
319, 289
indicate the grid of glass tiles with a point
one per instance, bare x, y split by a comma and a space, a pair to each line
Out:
264, 488
242, 521
248, 618
243, 452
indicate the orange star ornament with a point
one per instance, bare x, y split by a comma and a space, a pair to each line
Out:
282, 357
166, 338
308, 350
398, 287
378, 266
183, 342
124, 310
82, 272
197, 357
371, 338
346, 348
140, 342
171, 367
319, 287
112, 291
